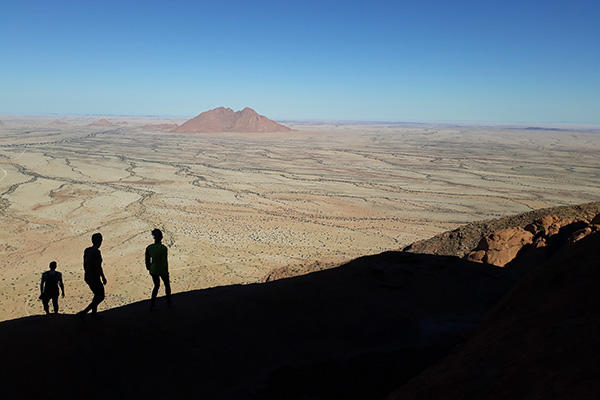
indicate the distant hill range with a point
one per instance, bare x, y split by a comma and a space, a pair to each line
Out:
105, 122
101, 122
217, 120
160, 127
223, 119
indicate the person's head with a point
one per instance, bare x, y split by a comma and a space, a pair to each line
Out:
53, 265
157, 234
97, 239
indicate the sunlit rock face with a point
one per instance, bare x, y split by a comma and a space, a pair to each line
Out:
223, 119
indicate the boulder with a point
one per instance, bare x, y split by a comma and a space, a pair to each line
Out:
580, 234
501, 247
476, 255
551, 224
539, 242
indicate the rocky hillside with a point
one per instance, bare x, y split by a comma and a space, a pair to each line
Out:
461, 241
541, 341
356, 331
419, 326
501, 242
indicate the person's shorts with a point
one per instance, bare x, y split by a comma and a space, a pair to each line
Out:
46, 296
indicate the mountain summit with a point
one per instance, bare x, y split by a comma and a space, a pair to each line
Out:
223, 119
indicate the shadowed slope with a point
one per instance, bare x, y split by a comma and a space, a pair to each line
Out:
542, 341
357, 331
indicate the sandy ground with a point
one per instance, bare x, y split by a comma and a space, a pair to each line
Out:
235, 206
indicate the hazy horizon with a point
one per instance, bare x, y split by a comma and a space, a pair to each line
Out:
516, 124
353, 61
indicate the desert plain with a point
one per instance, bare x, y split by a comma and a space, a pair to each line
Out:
235, 206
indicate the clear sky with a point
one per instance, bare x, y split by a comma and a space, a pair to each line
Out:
427, 60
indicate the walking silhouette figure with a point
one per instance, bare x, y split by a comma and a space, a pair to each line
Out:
157, 264
51, 281
94, 275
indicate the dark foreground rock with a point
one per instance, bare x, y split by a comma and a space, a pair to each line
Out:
542, 341
415, 325
355, 332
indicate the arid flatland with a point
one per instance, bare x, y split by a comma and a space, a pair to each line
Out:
233, 206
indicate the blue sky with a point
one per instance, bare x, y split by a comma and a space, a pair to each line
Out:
428, 60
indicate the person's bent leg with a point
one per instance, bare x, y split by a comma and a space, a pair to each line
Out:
91, 305
45, 301
98, 289
55, 303
98, 297
156, 280
167, 283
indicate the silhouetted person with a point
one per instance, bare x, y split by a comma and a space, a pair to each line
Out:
51, 281
94, 276
158, 265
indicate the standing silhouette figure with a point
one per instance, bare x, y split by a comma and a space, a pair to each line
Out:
51, 281
158, 265
94, 275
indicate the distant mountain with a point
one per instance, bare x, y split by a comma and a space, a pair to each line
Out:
223, 119
101, 122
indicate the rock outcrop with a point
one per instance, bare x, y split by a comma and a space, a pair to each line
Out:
226, 120
501, 247
592, 227
461, 241
548, 225
465, 241
540, 342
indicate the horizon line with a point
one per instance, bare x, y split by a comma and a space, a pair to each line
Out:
318, 120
